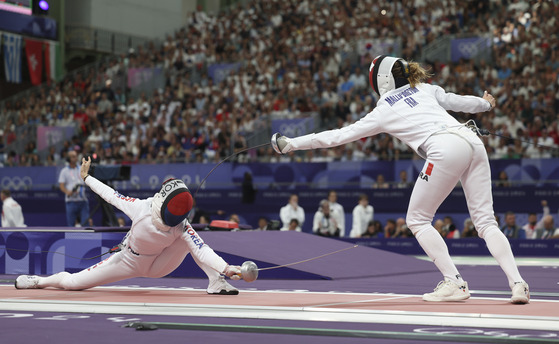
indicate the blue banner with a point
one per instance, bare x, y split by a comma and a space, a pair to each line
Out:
220, 71
463, 246
34, 26
468, 48
140, 77
51, 136
12, 57
360, 174
293, 127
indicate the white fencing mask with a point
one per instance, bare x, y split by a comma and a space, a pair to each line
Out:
380, 74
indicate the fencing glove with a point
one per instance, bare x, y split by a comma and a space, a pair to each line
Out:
233, 272
281, 144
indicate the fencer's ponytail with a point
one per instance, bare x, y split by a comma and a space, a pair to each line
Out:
418, 74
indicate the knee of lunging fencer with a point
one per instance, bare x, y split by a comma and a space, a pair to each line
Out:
66, 281
417, 225
484, 224
485, 231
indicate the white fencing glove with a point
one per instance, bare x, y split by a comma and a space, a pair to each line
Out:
281, 144
233, 272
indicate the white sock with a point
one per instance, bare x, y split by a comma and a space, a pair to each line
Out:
499, 247
435, 247
54, 281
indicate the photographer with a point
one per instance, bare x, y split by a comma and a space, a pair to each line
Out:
73, 187
323, 223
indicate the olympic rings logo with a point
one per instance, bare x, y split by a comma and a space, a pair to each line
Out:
293, 129
468, 49
16, 183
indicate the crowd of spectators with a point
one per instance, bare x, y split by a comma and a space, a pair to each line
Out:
293, 61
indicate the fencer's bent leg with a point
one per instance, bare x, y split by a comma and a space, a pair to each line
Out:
476, 182
169, 259
188, 242
448, 156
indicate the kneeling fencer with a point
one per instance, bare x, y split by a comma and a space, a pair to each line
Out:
415, 113
159, 239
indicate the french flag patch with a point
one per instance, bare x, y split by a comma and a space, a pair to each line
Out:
429, 169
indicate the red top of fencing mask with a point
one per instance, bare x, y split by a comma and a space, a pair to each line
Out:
177, 202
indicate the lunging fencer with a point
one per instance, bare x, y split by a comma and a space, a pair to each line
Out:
416, 113
159, 239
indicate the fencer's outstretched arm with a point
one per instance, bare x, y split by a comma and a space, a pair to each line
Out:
460, 103
366, 126
127, 205
205, 255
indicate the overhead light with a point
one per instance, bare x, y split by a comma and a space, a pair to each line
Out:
44, 5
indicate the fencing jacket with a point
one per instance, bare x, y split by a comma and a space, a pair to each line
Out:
12, 215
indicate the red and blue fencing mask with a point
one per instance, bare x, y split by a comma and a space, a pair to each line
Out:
172, 203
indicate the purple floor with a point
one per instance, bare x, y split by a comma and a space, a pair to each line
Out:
61, 328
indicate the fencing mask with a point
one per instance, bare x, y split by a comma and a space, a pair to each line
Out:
380, 74
172, 203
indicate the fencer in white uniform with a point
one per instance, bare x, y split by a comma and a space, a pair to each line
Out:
12, 216
159, 239
416, 113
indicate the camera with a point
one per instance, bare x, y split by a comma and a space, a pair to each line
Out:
274, 225
77, 188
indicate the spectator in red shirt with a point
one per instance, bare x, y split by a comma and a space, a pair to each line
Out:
82, 119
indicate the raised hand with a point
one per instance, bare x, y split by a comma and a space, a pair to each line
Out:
489, 98
84, 169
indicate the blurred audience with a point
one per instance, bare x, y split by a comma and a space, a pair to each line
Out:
291, 211
390, 228
374, 230
12, 215
548, 230
511, 229
469, 230
402, 230
361, 216
533, 224
449, 229
319, 65
337, 211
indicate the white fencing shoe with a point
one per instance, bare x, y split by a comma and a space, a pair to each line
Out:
220, 286
448, 291
27, 282
520, 293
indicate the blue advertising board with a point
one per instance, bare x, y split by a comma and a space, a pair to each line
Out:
34, 26
537, 172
